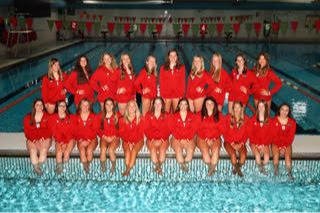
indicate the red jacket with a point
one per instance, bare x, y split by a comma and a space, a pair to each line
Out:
51, 90
145, 81
131, 132
260, 135
283, 136
128, 84
183, 130
263, 82
172, 85
86, 130
235, 135
101, 77
157, 128
208, 128
37, 131
224, 84
73, 87
109, 128
196, 82
62, 130
246, 80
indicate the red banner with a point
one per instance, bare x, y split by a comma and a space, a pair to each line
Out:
126, 27
236, 27
170, 20
237, 18
94, 17
317, 23
100, 17
294, 25
219, 28
134, 19
231, 18
58, 25
160, 20
115, 18
29, 22
145, 19
159, 28
111, 26
185, 28
74, 25
192, 19
203, 28
257, 27
152, 19
219, 18
81, 15
121, 19
248, 17
143, 27
211, 19
128, 19
88, 16
14, 22
0, 19
178, 20
275, 26
89, 26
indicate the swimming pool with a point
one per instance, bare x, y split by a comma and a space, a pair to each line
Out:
27, 78
145, 191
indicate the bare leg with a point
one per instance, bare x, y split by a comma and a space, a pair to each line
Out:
103, 154
69, 148
146, 103
204, 148
133, 155
198, 104
177, 147
59, 153
275, 154
112, 147
191, 104
190, 147
50, 108
243, 155
175, 103
162, 154
287, 157
230, 104
34, 156
220, 108
215, 149
153, 154
122, 107
168, 103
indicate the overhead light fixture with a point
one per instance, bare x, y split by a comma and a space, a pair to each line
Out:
129, 2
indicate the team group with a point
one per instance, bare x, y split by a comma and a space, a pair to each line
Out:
192, 117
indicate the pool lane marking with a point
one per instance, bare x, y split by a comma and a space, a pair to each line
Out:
38, 88
204, 56
283, 80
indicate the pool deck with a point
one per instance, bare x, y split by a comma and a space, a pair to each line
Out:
14, 144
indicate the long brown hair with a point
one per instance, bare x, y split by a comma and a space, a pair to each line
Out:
284, 104
151, 71
216, 70
80, 103
163, 111
245, 66
104, 113
57, 107
262, 70
193, 67
233, 117
50, 76
113, 64
178, 107
266, 112
33, 110
81, 76
123, 69
204, 111
166, 64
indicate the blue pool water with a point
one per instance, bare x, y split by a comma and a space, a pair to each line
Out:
143, 191
304, 108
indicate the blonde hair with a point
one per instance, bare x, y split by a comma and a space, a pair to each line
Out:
126, 112
113, 64
262, 70
193, 67
233, 117
52, 61
123, 70
154, 70
216, 70
266, 112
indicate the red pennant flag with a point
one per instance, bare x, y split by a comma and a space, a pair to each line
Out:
121, 18
0, 19
146, 19
275, 26
186, 20
58, 24
219, 18
219, 28
29, 22
159, 28
143, 27
237, 18
185, 28
170, 19
126, 27
317, 23
81, 15
111, 26
231, 18
14, 22
160, 20
203, 28
178, 20
94, 17
88, 16
134, 19
236, 27
257, 27
152, 19
211, 19
205, 19
100, 17
89, 26
248, 17
242, 17
294, 25
115, 18
192, 19
128, 19
74, 25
